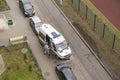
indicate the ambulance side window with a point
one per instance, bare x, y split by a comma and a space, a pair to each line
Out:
41, 35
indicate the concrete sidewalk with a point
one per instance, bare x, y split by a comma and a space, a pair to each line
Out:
3, 22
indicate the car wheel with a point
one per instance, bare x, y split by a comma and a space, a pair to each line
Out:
25, 15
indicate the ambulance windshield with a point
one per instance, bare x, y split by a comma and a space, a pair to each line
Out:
61, 46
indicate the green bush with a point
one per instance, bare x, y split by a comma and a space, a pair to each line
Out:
3, 5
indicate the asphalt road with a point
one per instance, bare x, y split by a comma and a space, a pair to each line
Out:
83, 63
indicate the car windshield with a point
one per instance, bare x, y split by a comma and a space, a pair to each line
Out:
27, 6
61, 46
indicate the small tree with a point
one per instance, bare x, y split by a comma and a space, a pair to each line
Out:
30, 68
25, 57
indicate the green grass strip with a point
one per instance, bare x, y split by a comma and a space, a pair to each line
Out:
19, 65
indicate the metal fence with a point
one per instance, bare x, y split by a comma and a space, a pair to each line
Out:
101, 26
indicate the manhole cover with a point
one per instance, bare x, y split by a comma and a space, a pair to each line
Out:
24, 50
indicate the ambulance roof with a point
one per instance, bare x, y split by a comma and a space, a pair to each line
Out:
58, 40
52, 33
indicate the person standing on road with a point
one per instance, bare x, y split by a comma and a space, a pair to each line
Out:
47, 49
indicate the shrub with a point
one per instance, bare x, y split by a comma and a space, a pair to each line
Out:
3, 5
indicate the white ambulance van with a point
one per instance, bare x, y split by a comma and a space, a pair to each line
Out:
55, 40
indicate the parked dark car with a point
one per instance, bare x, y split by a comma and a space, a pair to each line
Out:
27, 8
64, 72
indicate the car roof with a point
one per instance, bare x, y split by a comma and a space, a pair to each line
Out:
68, 74
35, 19
25, 1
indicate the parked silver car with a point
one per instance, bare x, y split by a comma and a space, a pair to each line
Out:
35, 23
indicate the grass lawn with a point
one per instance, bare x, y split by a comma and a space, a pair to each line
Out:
3, 5
20, 65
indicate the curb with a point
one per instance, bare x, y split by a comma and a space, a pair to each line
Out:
83, 40
39, 68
